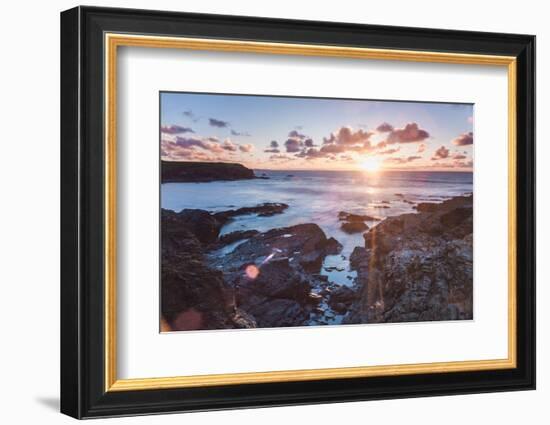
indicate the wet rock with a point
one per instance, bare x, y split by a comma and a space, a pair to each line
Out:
285, 265
314, 298
427, 207
263, 210
305, 244
343, 294
238, 235
346, 216
339, 308
416, 267
332, 246
280, 312
354, 227
201, 224
193, 295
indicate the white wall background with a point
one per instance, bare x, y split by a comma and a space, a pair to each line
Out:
29, 213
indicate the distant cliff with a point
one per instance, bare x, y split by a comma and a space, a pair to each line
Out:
181, 172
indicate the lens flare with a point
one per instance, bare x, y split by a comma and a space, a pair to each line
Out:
252, 271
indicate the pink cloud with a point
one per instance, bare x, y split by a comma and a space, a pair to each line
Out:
411, 133
464, 139
441, 153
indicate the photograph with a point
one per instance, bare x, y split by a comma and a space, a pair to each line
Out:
281, 211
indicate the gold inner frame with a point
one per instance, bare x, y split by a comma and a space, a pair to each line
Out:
113, 41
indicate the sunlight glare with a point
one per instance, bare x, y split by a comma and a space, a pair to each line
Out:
371, 164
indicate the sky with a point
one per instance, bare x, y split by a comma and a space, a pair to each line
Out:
293, 133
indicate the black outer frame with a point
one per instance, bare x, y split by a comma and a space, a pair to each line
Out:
82, 206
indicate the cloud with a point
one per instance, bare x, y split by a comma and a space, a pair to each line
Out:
293, 145
247, 148
464, 139
310, 153
471, 119
411, 133
459, 156
402, 160
384, 128
441, 153
191, 142
333, 148
237, 133
281, 157
190, 114
218, 123
228, 145
295, 134
175, 129
389, 151
343, 140
454, 164
421, 147
346, 136
190, 149
273, 147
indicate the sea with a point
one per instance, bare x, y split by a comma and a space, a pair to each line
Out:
318, 197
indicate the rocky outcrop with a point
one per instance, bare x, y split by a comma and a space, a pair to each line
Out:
266, 209
198, 172
416, 267
274, 273
354, 223
303, 244
346, 216
268, 281
236, 236
354, 227
193, 295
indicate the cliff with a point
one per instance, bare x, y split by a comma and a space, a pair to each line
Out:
195, 172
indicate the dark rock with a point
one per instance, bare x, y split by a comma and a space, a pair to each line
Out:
346, 216
279, 313
238, 235
263, 210
457, 216
416, 267
201, 224
339, 308
343, 294
427, 207
306, 244
281, 264
193, 295
332, 246
314, 298
354, 227
187, 171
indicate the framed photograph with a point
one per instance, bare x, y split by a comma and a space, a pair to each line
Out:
261, 212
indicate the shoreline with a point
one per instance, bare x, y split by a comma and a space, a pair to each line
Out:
313, 300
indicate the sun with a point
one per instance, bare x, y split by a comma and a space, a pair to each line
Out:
371, 164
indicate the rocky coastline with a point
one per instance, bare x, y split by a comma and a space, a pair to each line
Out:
412, 267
